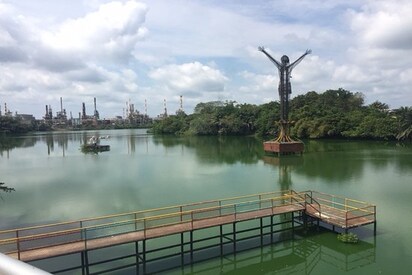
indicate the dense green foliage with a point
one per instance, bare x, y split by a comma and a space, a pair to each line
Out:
348, 238
332, 114
14, 125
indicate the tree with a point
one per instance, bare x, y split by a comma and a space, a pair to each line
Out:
403, 116
332, 114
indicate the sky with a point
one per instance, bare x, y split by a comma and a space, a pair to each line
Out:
202, 50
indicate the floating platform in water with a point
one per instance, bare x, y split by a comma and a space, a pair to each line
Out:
283, 148
95, 148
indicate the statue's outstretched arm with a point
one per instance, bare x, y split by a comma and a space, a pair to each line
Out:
294, 64
262, 49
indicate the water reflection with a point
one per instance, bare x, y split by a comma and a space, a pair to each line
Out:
343, 161
5, 189
134, 141
301, 257
229, 150
7, 144
331, 161
302, 254
286, 165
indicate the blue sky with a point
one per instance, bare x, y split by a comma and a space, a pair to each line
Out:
134, 50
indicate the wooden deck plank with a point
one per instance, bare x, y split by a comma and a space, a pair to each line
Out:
75, 247
337, 217
330, 215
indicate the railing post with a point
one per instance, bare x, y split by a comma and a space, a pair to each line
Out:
374, 217
271, 200
191, 218
181, 213
85, 239
346, 219
144, 228
81, 230
18, 244
235, 211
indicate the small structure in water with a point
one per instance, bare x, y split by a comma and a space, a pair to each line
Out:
284, 144
93, 145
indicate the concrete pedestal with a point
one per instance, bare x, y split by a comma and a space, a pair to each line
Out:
282, 148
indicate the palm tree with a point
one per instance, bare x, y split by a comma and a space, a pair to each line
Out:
404, 117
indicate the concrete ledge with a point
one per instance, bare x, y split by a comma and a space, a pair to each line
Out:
10, 266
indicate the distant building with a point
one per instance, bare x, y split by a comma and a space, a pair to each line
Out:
26, 118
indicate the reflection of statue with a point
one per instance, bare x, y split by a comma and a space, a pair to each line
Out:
285, 166
285, 89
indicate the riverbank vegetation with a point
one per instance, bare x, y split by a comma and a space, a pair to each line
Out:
16, 125
331, 114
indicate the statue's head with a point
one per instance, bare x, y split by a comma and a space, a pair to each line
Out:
285, 59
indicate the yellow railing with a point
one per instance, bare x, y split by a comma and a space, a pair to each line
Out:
349, 209
29, 238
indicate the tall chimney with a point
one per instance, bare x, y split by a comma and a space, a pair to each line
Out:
61, 105
95, 105
84, 110
181, 103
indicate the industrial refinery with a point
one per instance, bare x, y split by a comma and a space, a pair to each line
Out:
84, 120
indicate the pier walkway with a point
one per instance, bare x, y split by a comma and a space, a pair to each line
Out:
51, 240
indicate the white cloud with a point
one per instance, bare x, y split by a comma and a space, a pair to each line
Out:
385, 24
116, 50
190, 77
111, 31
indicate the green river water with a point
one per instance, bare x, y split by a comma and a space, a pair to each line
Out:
54, 181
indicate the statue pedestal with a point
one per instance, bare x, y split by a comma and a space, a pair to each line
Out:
283, 148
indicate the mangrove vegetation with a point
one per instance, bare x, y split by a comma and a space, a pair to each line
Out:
331, 114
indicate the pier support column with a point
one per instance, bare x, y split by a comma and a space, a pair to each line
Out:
305, 221
261, 232
136, 248
271, 229
182, 248
234, 238
85, 263
144, 257
191, 246
221, 240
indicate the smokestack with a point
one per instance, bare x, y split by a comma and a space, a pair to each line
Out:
47, 111
96, 113
181, 103
84, 110
61, 105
